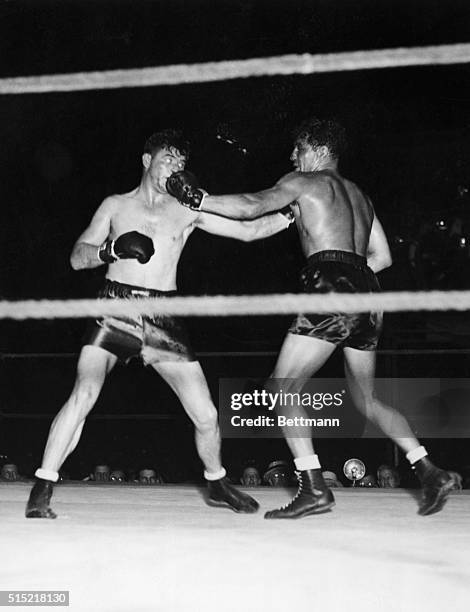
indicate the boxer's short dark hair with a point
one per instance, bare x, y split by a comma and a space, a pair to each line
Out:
322, 132
167, 139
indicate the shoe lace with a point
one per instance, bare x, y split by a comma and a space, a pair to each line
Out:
299, 492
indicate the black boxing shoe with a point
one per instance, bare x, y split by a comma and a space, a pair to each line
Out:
313, 497
39, 498
436, 483
222, 493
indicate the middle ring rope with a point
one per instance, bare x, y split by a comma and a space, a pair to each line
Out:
238, 305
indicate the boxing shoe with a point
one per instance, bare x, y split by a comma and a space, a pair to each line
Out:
313, 497
39, 498
222, 493
436, 483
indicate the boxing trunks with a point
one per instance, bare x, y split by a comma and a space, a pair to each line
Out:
339, 272
155, 339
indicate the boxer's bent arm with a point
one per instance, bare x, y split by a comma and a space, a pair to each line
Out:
85, 250
259, 228
253, 205
379, 256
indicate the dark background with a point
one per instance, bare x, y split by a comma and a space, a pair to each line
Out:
62, 153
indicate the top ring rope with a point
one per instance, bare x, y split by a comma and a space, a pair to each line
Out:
236, 69
238, 305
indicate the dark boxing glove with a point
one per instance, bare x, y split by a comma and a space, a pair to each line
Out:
131, 245
185, 188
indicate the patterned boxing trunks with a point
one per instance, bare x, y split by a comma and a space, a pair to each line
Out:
339, 272
154, 339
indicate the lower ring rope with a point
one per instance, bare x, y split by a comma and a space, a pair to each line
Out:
238, 305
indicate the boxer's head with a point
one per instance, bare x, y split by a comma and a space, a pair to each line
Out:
317, 141
165, 152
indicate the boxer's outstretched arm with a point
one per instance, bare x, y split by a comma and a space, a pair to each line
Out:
259, 228
253, 205
85, 251
379, 256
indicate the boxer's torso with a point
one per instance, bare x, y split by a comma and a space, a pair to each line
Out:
332, 214
164, 221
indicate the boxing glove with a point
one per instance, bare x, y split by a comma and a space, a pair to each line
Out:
131, 245
184, 186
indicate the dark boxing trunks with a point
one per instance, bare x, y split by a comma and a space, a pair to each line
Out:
339, 272
155, 339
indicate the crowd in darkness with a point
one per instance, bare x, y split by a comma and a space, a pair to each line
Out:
435, 255
278, 473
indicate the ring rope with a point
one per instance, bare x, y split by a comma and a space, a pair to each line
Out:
237, 305
235, 69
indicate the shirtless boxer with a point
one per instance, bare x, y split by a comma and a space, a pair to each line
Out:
344, 245
140, 236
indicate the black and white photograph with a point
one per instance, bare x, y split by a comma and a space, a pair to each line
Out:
235, 305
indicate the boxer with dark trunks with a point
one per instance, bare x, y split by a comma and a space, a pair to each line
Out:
154, 339
140, 236
345, 246
341, 272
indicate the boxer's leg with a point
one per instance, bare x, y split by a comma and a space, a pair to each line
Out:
93, 365
300, 357
188, 382
360, 372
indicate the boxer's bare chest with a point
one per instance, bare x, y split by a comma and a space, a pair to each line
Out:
166, 220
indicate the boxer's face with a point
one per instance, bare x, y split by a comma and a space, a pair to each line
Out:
307, 158
162, 165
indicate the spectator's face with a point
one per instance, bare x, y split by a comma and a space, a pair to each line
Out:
367, 481
388, 479
457, 481
10, 472
251, 477
278, 478
147, 477
117, 476
102, 473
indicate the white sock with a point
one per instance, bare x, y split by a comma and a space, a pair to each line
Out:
416, 454
309, 462
215, 475
47, 474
